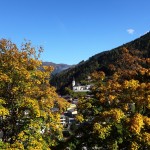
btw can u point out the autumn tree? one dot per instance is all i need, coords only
(117, 116)
(27, 119)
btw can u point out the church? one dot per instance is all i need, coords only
(80, 88)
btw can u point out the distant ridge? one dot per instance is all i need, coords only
(57, 67)
(101, 61)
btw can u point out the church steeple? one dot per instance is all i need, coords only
(73, 82)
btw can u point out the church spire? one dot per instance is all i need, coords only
(73, 82)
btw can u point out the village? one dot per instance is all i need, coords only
(67, 119)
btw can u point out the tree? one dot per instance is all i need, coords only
(26, 100)
(118, 114)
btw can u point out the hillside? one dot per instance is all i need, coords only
(104, 61)
(57, 67)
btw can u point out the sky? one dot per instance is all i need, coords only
(73, 30)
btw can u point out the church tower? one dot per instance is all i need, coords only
(73, 82)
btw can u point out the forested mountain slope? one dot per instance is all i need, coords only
(106, 61)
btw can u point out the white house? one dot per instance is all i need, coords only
(63, 120)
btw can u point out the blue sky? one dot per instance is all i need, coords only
(73, 30)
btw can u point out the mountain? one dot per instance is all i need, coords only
(57, 67)
(140, 48)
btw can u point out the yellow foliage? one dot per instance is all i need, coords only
(148, 102)
(146, 121)
(98, 75)
(125, 107)
(48, 68)
(4, 77)
(111, 97)
(134, 146)
(115, 114)
(146, 138)
(137, 123)
(102, 131)
(3, 111)
(133, 84)
(120, 100)
(26, 88)
(80, 118)
(17, 146)
(143, 85)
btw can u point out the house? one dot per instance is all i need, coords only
(63, 120)
(72, 106)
